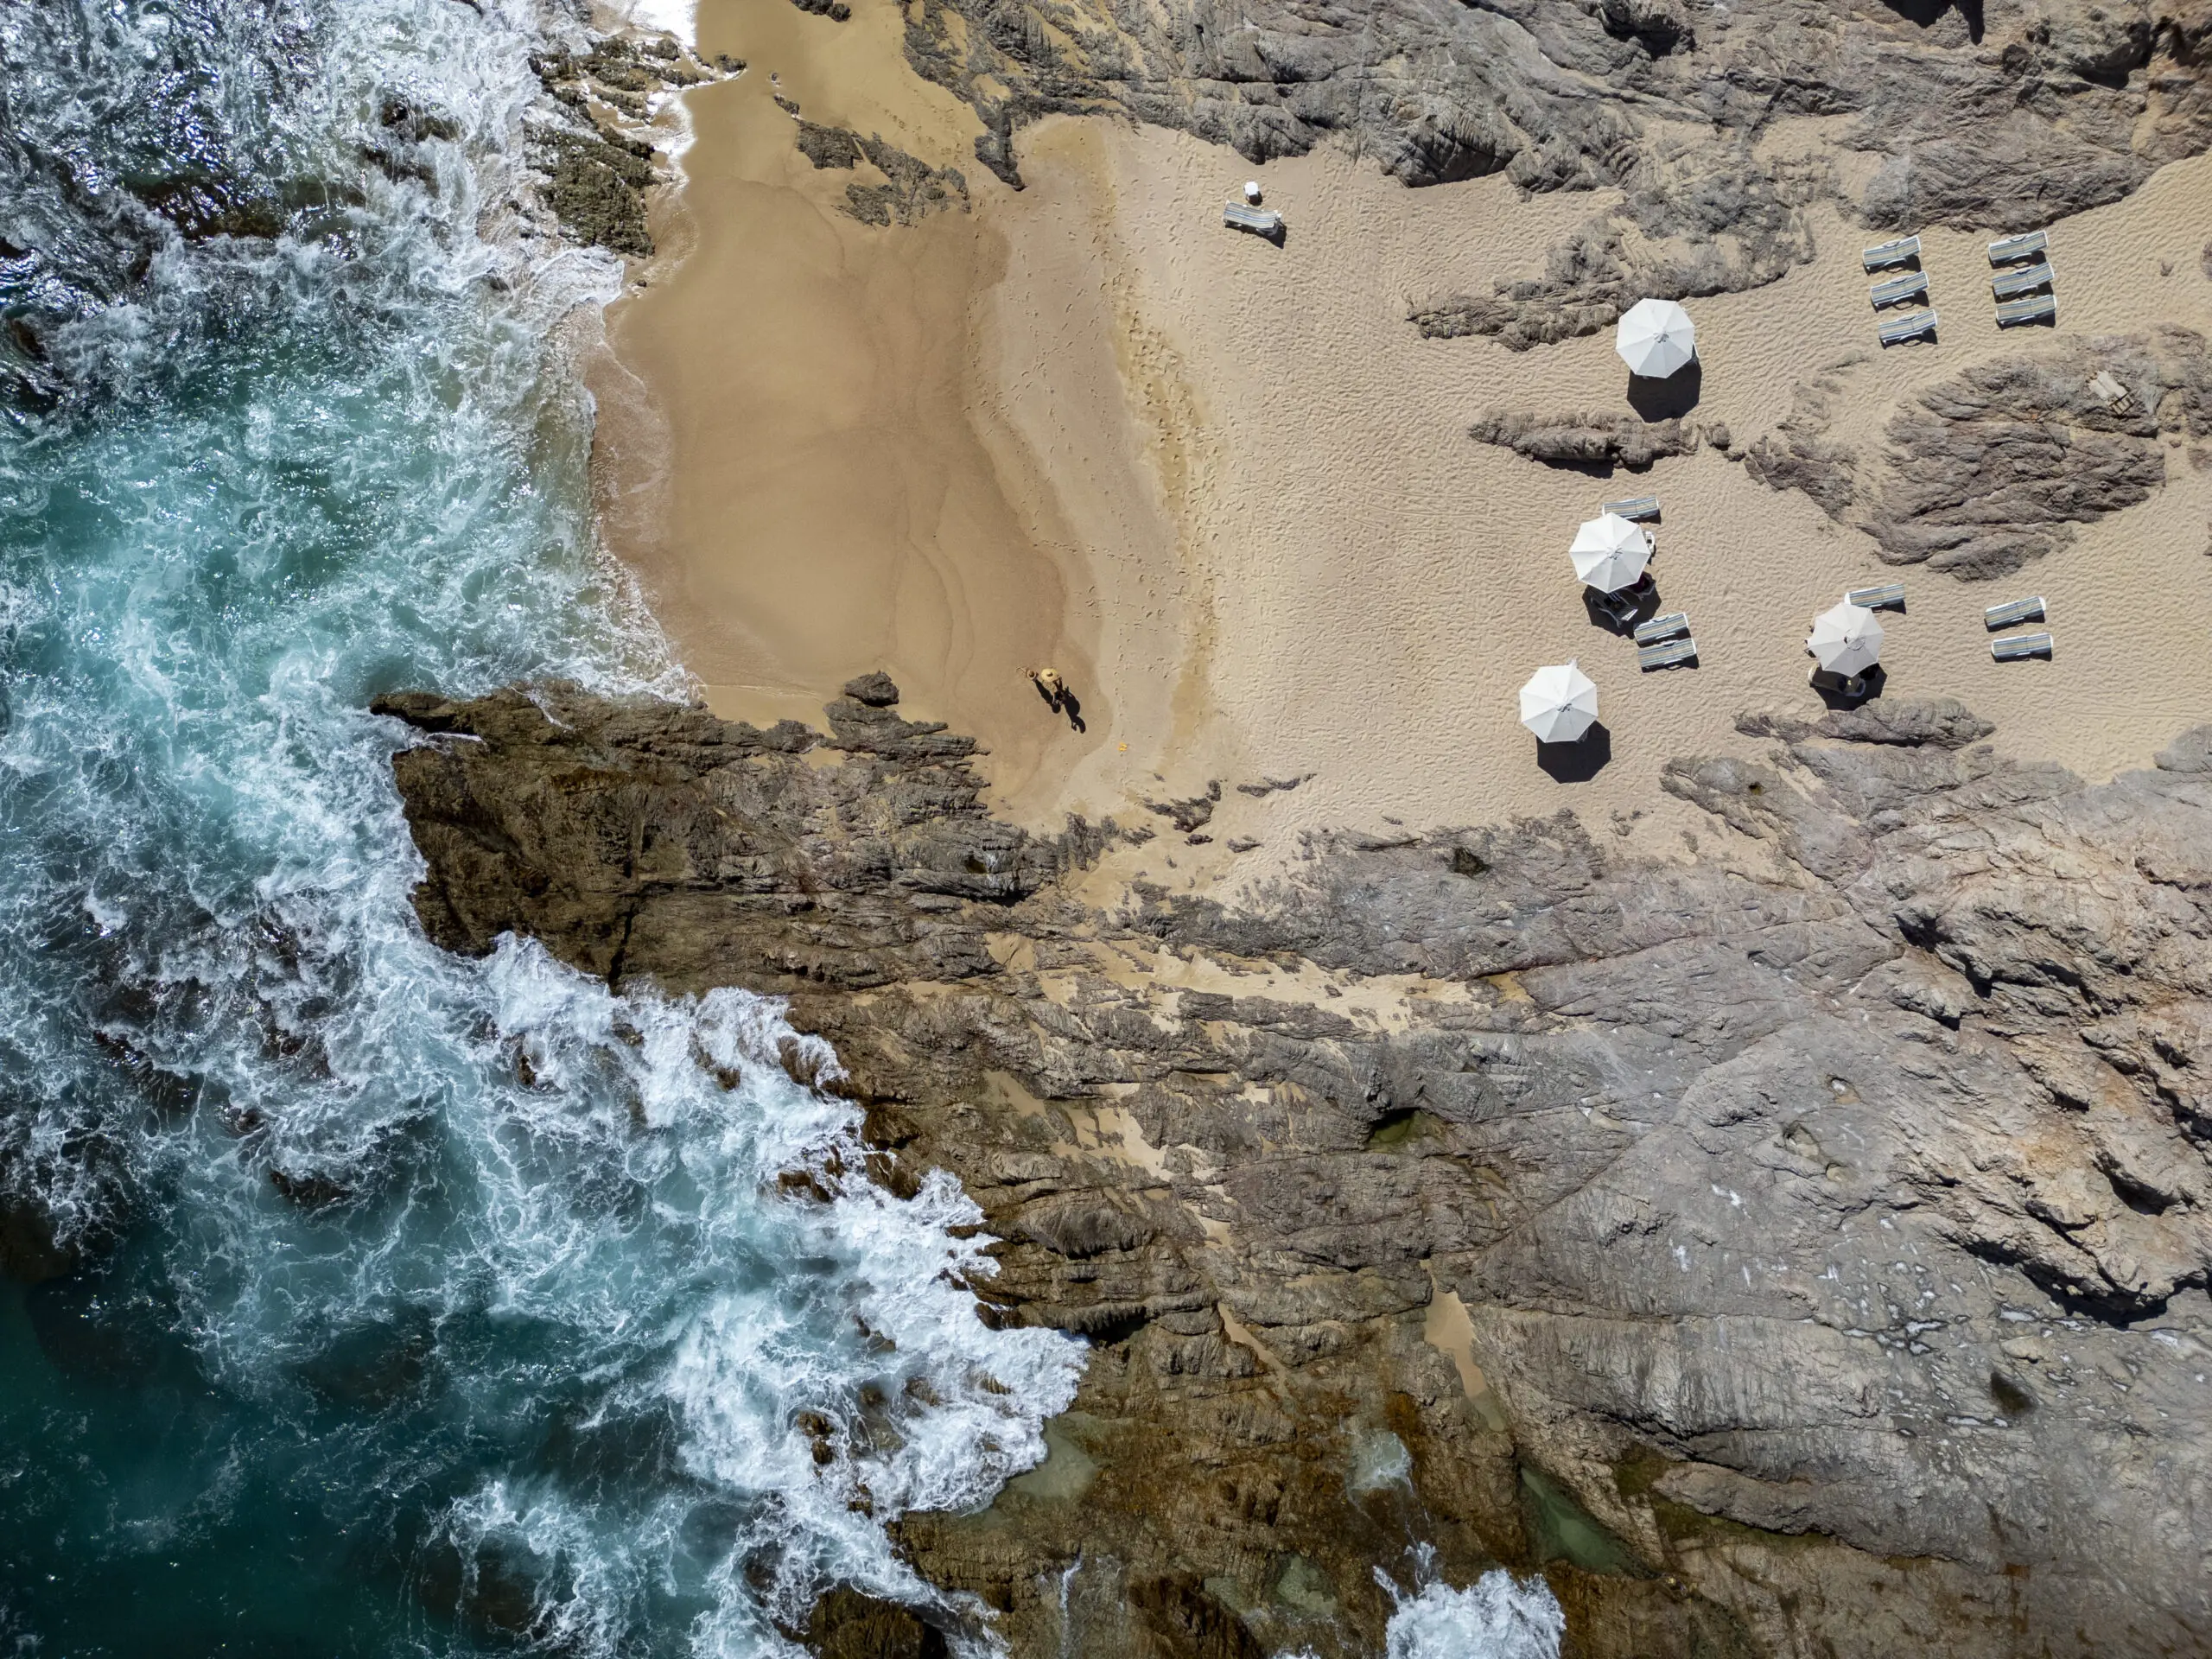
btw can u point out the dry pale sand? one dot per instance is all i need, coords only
(1228, 490)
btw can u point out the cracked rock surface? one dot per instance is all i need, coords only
(2007, 114)
(1984, 472)
(1798, 1250)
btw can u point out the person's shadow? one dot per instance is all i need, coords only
(1063, 702)
(1579, 761)
(1667, 399)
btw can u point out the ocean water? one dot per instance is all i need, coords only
(427, 1305)
(418, 1306)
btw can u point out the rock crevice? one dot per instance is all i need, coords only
(1781, 1258)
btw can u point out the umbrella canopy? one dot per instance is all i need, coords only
(1559, 703)
(1610, 553)
(1656, 338)
(1846, 638)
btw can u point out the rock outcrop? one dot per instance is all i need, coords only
(1984, 472)
(594, 156)
(911, 189)
(1801, 1248)
(1619, 438)
(2007, 115)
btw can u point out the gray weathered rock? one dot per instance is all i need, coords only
(2008, 116)
(1985, 471)
(1831, 1228)
(1617, 439)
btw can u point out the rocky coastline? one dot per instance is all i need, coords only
(1795, 1247)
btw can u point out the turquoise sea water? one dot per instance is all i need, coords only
(364, 1301)
(375, 1347)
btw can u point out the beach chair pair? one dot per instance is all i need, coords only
(2010, 285)
(1665, 642)
(1889, 595)
(2042, 308)
(1635, 509)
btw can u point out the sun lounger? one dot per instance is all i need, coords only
(1260, 221)
(2006, 249)
(1904, 328)
(2010, 285)
(1913, 285)
(1901, 252)
(1635, 508)
(1668, 655)
(1875, 599)
(2020, 645)
(2012, 612)
(2040, 307)
(1663, 628)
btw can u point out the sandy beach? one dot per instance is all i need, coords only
(1228, 490)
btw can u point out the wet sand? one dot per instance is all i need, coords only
(1227, 490)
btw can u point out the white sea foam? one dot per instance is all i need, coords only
(481, 1255)
(1497, 1617)
(679, 18)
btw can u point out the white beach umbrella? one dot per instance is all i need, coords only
(1559, 703)
(1846, 638)
(1656, 338)
(1610, 553)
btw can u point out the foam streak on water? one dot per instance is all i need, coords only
(428, 1306)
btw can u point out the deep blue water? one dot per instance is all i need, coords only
(359, 1300)
(366, 1344)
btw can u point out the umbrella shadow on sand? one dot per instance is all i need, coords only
(1838, 691)
(1623, 612)
(1670, 398)
(1579, 761)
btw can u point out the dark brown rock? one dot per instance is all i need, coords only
(847, 1623)
(1829, 1226)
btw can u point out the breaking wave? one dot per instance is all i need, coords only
(364, 1300)
(1497, 1617)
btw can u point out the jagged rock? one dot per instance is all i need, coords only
(2009, 117)
(1830, 1232)
(1984, 472)
(1602, 439)
(847, 1623)
(595, 176)
(877, 690)
(1944, 721)
(911, 189)
(1193, 813)
(2191, 752)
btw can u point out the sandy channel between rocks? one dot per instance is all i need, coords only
(1227, 489)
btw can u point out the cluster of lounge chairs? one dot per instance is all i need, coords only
(2015, 647)
(1908, 287)
(2021, 287)
(1662, 641)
